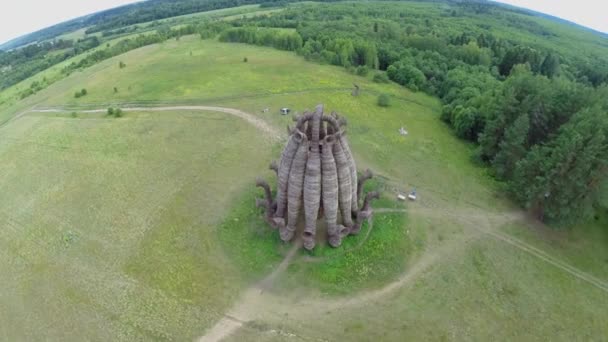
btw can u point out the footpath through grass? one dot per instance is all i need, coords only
(112, 220)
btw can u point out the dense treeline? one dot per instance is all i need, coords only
(538, 113)
(19, 64)
(280, 39)
(161, 9)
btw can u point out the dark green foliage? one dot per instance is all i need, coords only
(115, 90)
(245, 60)
(520, 55)
(362, 70)
(115, 112)
(17, 65)
(281, 40)
(513, 147)
(380, 77)
(550, 66)
(384, 100)
(343, 52)
(562, 179)
(121, 65)
(407, 75)
(80, 93)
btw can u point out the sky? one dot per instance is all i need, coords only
(25, 16)
(590, 13)
(19, 17)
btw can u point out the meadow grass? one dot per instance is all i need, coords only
(485, 291)
(364, 261)
(111, 223)
(126, 226)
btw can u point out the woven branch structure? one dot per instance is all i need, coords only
(317, 178)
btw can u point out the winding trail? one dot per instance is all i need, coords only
(257, 302)
(250, 302)
(258, 123)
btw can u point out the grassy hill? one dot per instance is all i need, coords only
(143, 228)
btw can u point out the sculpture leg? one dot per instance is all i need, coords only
(267, 202)
(365, 212)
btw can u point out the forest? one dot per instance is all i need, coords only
(19, 64)
(536, 111)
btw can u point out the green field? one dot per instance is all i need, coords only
(143, 227)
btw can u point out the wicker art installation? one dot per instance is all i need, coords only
(317, 173)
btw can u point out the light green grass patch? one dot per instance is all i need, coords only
(109, 222)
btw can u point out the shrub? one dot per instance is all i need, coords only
(80, 93)
(121, 64)
(384, 100)
(362, 70)
(380, 77)
(27, 92)
(115, 112)
(245, 59)
(74, 114)
(115, 90)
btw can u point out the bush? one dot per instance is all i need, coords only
(362, 70)
(27, 92)
(74, 114)
(245, 59)
(115, 112)
(80, 93)
(380, 77)
(121, 65)
(384, 100)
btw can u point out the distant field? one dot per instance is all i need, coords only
(75, 35)
(115, 222)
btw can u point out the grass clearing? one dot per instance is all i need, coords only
(111, 221)
(360, 263)
(122, 228)
(367, 260)
(486, 291)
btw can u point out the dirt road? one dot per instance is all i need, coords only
(250, 118)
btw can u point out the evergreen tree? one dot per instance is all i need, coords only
(560, 180)
(550, 65)
(513, 147)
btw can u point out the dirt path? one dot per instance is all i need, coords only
(250, 303)
(257, 302)
(494, 220)
(258, 123)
